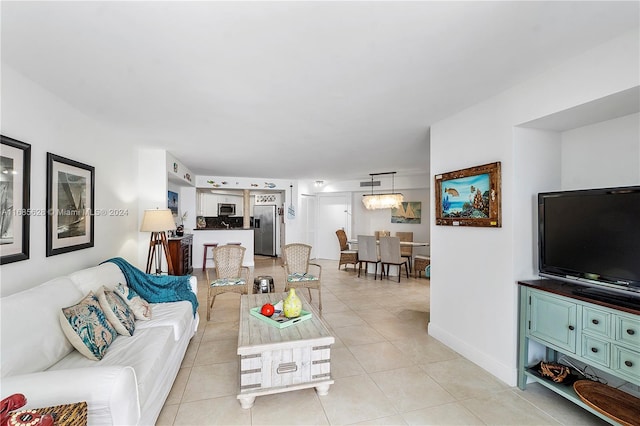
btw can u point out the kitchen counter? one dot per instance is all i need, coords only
(222, 236)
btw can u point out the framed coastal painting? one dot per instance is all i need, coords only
(407, 212)
(70, 204)
(469, 197)
(15, 180)
(172, 202)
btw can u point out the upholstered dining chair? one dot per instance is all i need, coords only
(231, 276)
(347, 256)
(296, 257)
(379, 234)
(368, 253)
(406, 251)
(390, 255)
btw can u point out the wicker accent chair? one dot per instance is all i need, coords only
(296, 269)
(421, 263)
(390, 255)
(368, 253)
(347, 256)
(231, 276)
(406, 251)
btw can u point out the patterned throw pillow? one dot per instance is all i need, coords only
(87, 327)
(137, 304)
(299, 276)
(117, 312)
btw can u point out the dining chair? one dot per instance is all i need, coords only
(406, 251)
(347, 256)
(390, 255)
(296, 257)
(231, 276)
(368, 253)
(379, 234)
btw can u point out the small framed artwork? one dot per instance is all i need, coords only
(15, 180)
(407, 212)
(469, 197)
(70, 204)
(172, 202)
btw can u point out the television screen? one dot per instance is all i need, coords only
(591, 236)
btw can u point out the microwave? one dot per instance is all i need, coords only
(226, 209)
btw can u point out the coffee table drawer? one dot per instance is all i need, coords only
(285, 367)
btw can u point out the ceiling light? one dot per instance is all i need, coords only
(319, 183)
(383, 201)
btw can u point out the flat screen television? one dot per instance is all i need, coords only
(592, 237)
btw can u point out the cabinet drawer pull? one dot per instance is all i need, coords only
(573, 328)
(595, 321)
(628, 363)
(630, 332)
(594, 350)
(287, 367)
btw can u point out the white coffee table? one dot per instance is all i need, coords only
(276, 360)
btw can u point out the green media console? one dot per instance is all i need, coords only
(602, 334)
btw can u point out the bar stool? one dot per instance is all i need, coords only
(204, 254)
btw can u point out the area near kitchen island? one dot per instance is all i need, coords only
(222, 237)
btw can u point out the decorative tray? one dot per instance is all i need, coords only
(278, 319)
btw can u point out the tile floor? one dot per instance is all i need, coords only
(387, 370)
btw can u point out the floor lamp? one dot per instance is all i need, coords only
(157, 222)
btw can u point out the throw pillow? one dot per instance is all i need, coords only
(87, 328)
(117, 312)
(137, 304)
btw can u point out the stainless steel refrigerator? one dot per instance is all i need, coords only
(264, 230)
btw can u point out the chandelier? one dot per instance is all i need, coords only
(382, 201)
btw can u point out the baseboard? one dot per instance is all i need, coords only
(508, 375)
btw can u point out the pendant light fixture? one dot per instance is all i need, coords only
(382, 201)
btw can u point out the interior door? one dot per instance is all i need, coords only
(332, 215)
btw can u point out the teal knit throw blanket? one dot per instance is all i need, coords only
(157, 288)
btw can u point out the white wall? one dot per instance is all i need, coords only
(474, 270)
(604, 154)
(35, 116)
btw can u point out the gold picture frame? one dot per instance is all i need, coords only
(469, 197)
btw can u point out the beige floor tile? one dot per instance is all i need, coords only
(506, 408)
(212, 381)
(190, 355)
(411, 389)
(463, 379)
(342, 319)
(216, 351)
(384, 421)
(220, 330)
(223, 314)
(301, 407)
(177, 390)
(358, 335)
(355, 399)
(344, 364)
(218, 411)
(167, 415)
(446, 414)
(377, 315)
(425, 349)
(380, 356)
(396, 330)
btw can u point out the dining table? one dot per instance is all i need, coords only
(402, 243)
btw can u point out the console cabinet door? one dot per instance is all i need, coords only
(552, 320)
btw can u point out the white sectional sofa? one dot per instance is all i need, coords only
(128, 386)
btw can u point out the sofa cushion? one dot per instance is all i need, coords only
(87, 327)
(138, 305)
(177, 315)
(91, 279)
(32, 339)
(117, 312)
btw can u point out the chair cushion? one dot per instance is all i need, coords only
(228, 281)
(349, 252)
(299, 276)
(87, 327)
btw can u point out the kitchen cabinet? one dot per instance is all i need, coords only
(603, 335)
(181, 253)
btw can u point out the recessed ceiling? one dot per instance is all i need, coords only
(317, 90)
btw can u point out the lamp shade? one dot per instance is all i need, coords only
(382, 201)
(157, 220)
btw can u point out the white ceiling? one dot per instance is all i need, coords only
(318, 90)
